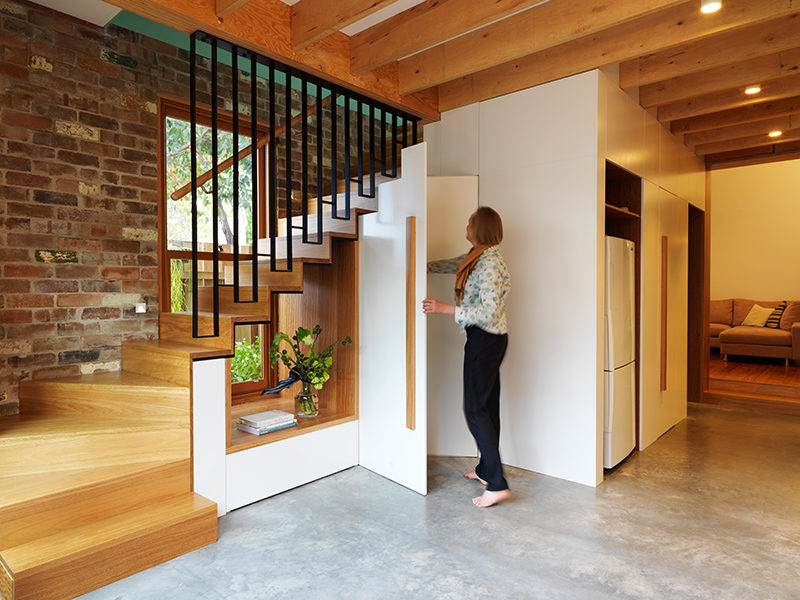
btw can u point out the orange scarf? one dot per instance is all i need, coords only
(465, 268)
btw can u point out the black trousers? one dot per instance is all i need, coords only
(483, 354)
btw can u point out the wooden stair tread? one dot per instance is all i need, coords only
(771, 398)
(146, 520)
(22, 488)
(24, 427)
(112, 379)
(180, 348)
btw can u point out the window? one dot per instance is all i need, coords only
(249, 371)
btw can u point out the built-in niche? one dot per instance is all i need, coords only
(623, 199)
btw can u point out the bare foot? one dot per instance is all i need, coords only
(489, 498)
(473, 475)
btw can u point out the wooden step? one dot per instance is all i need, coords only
(78, 560)
(38, 505)
(757, 388)
(177, 327)
(227, 304)
(34, 444)
(118, 394)
(168, 360)
(358, 206)
(302, 251)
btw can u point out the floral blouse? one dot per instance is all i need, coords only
(484, 302)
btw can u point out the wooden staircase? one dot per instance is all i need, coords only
(96, 470)
(95, 478)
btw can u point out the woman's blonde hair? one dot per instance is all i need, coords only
(486, 226)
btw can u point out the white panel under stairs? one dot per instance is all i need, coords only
(386, 445)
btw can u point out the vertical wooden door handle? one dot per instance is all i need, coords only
(664, 300)
(411, 322)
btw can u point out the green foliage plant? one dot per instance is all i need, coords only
(311, 366)
(176, 289)
(246, 361)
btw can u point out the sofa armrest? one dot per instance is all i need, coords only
(796, 340)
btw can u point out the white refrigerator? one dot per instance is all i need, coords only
(620, 369)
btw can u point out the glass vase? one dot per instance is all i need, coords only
(307, 401)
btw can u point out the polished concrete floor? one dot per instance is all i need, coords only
(709, 511)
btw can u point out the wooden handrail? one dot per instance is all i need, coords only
(260, 143)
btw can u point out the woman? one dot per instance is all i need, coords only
(482, 284)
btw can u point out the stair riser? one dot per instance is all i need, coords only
(178, 327)
(86, 571)
(227, 305)
(52, 397)
(161, 365)
(6, 583)
(71, 508)
(29, 456)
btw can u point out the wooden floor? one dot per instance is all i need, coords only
(760, 384)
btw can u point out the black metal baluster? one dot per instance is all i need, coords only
(347, 156)
(414, 132)
(360, 138)
(371, 152)
(235, 108)
(272, 157)
(288, 133)
(319, 162)
(394, 145)
(405, 131)
(193, 160)
(254, 173)
(215, 184)
(334, 153)
(383, 141)
(304, 157)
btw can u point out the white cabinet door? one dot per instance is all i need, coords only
(387, 445)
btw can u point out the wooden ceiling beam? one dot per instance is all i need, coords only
(737, 116)
(532, 30)
(785, 87)
(313, 20)
(740, 131)
(265, 27)
(740, 74)
(753, 156)
(613, 45)
(791, 135)
(423, 26)
(223, 8)
(765, 37)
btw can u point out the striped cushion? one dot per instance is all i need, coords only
(774, 320)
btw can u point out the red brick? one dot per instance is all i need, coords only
(29, 210)
(33, 360)
(73, 328)
(30, 300)
(100, 341)
(15, 316)
(79, 300)
(55, 315)
(27, 271)
(20, 134)
(27, 179)
(97, 66)
(21, 119)
(141, 287)
(120, 246)
(15, 255)
(78, 158)
(54, 372)
(55, 286)
(128, 273)
(149, 273)
(108, 312)
(12, 286)
(76, 271)
(55, 344)
(77, 244)
(29, 240)
(15, 71)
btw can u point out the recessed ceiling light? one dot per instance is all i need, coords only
(753, 89)
(710, 6)
(775, 133)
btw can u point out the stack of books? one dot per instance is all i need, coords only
(266, 422)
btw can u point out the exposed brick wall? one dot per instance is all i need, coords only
(79, 186)
(78, 191)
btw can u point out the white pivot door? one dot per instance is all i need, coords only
(392, 335)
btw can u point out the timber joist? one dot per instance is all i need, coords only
(443, 54)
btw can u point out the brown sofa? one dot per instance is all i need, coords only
(727, 333)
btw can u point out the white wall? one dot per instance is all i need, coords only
(755, 243)
(537, 162)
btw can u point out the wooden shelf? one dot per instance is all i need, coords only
(240, 440)
(617, 211)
